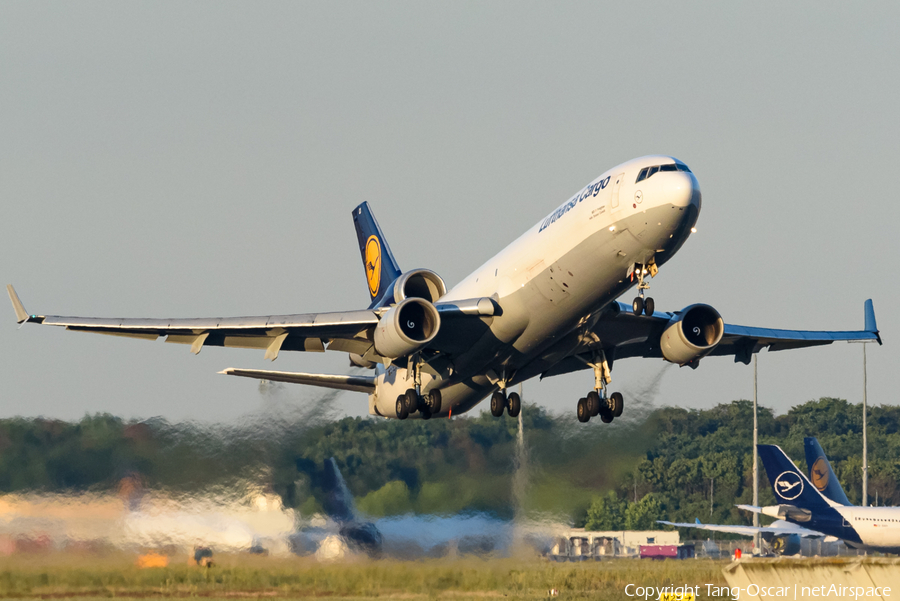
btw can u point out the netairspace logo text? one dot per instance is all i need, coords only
(795, 592)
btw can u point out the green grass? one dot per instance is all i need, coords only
(239, 576)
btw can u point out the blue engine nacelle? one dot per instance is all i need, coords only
(785, 545)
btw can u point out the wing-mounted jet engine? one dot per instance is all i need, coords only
(691, 334)
(406, 327)
(412, 321)
(783, 545)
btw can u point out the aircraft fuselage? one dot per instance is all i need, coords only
(555, 278)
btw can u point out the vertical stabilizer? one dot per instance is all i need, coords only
(790, 485)
(378, 260)
(821, 474)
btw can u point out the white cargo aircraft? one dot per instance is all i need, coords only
(545, 305)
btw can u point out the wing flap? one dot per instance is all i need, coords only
(122, 333)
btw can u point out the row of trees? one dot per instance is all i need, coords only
(673, 463)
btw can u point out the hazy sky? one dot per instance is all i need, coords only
(202, 159)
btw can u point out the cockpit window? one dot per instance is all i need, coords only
(646, 172)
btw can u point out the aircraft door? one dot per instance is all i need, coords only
(614, 195)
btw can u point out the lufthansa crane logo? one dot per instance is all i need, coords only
(819, 473)
(373, 264)
(788, 486)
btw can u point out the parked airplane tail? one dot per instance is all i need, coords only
(821, 474)
(378, 260)
(788, 482)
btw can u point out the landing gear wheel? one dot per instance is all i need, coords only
(637, 305)
(593, 402)
(402, 412)
(433, 401)
(426, 412)
(513, 404)
(498, 403)
(605, 415)
(412, 400)
(584, 415)
(649, 305)
(616, 403)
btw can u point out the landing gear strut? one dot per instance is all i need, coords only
(500, 400)
(413, 400)
(597, 402)
(640, 304)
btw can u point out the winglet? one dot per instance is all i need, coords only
(871, 326)
(21, 313)
(698, 522)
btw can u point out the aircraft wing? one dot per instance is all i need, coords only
(621, 334)
(346, 331)
(779, 528)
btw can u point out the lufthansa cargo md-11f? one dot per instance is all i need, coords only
(545, 305)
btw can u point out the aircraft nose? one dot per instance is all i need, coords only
(684, 190)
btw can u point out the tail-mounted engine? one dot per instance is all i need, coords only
(691, 334)
(419, 283)
(406, 327)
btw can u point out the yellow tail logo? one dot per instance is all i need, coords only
(373, 264)
(819, 473)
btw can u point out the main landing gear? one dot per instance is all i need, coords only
(410, 402)
(594, 404)
(597, 402)
(640, 304)
(512, 404)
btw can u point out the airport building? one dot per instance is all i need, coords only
(578, 544)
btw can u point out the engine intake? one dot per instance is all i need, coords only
(693, 333)
(406, 327)
(419, 283)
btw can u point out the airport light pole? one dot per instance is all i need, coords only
(755, 459)
(865, 468)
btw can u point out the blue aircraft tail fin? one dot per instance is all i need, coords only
(821, 474)
(789, 484)
(378, 260)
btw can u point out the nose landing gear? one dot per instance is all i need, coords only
(640, 304)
